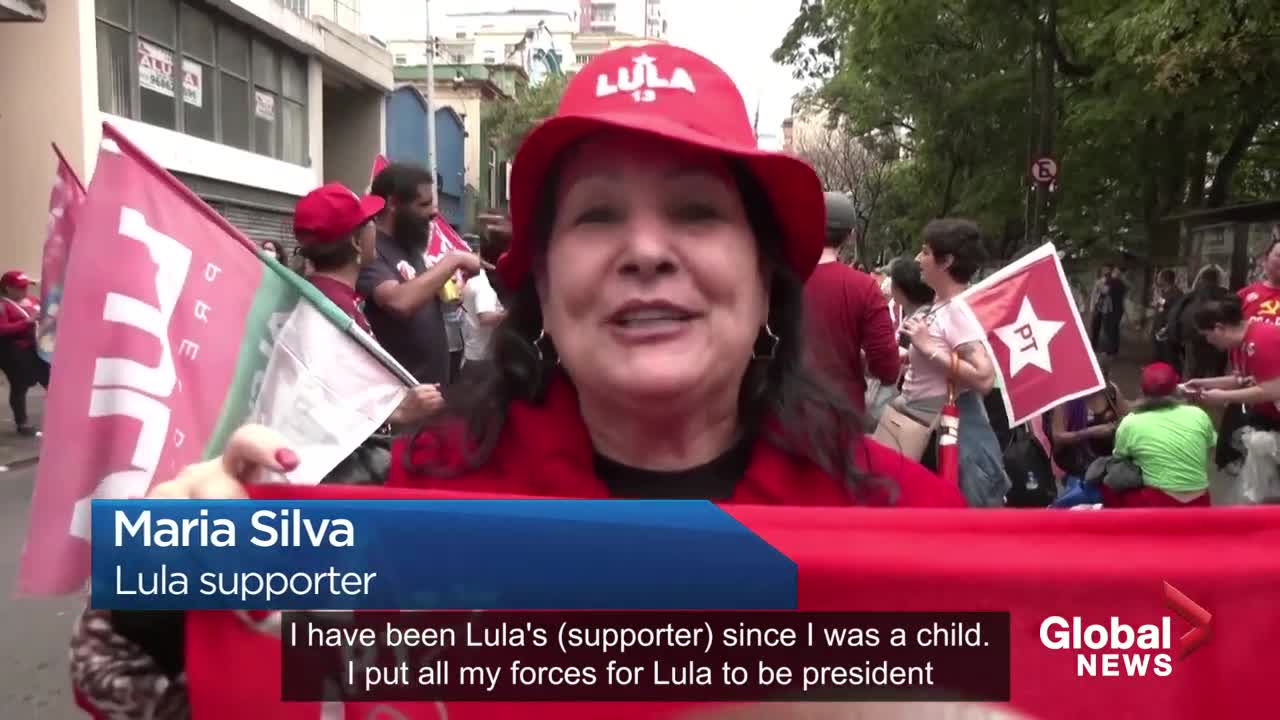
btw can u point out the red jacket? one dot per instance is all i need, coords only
(19, 323)
(545, 452)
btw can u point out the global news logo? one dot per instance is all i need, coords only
(1119, 649)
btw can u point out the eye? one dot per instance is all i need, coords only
(696, 211)
(598, 214)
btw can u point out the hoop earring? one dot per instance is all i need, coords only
(774, 342)
(537, 348)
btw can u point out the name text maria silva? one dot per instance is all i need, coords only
(287, 528)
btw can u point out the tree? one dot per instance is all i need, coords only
(513, 118)
(850, 164)
(1150, 108)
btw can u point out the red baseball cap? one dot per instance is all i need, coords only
(1159, 380)
(670, 93)
(332, 212)
(15, 278)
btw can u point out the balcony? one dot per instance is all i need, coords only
(343, 13)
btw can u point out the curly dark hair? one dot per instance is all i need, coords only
(781, 399)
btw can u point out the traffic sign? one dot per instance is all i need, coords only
(1044, 170)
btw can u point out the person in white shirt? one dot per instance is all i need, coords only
(481, 309)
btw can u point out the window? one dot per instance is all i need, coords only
(264, 122)
(176, 64)
(584, 59)
(233, 51)
(198, 116)
(158, 20)
(293, 110)
(197, 35)
(114, 88)
(266, 66)
(460, 59)
(235, 111)
(158, 24)
(402, 60)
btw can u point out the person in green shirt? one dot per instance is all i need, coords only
(1168, 439)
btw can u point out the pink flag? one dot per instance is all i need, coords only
(160, 293)
(65, 199)
(1035, 335)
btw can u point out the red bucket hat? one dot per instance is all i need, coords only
(675, 94)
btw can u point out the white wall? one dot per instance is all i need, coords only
(192, 155)
(44, 92)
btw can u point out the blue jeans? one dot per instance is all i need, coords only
(1076, 492)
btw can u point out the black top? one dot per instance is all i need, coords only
(715, 480)
(419, 342)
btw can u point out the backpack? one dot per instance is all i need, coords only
(1029, 470)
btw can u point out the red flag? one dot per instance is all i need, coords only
(65, 200)
(444, 240)
(1035, 335)
(1114, 567)
(380, 163)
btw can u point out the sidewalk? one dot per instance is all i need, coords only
(17, 451)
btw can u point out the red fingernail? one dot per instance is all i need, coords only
(287, 459)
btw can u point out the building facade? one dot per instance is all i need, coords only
(468, 90)
(630, 17)
(407, 142)
(526, 37)
(272, 103)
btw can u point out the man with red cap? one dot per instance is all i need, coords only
(19, 360)
(335, 233)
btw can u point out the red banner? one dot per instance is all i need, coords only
(1035, 335)
(1038, 565)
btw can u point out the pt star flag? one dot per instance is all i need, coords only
(1035, 335)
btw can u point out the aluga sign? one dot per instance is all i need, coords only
(1128, 649)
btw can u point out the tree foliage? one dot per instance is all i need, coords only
(1161, 105)
(513, 118)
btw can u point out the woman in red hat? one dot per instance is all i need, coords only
(652, 341)
(652, 345)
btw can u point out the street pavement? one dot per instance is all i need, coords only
(33, 631)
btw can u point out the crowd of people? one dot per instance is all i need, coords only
(667, 316)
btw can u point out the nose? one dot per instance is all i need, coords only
(647, 253)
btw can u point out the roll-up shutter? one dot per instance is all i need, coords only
(258, 224)
(259, 213)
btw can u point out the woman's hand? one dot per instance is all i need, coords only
(918, 330)
(251, 450)
(418, 404)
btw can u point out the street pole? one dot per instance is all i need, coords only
(431, 105)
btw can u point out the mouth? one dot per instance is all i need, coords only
(650, 315)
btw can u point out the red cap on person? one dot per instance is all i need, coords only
(332, 212)
(15, 278)
(1159, 380)
(675, 94)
